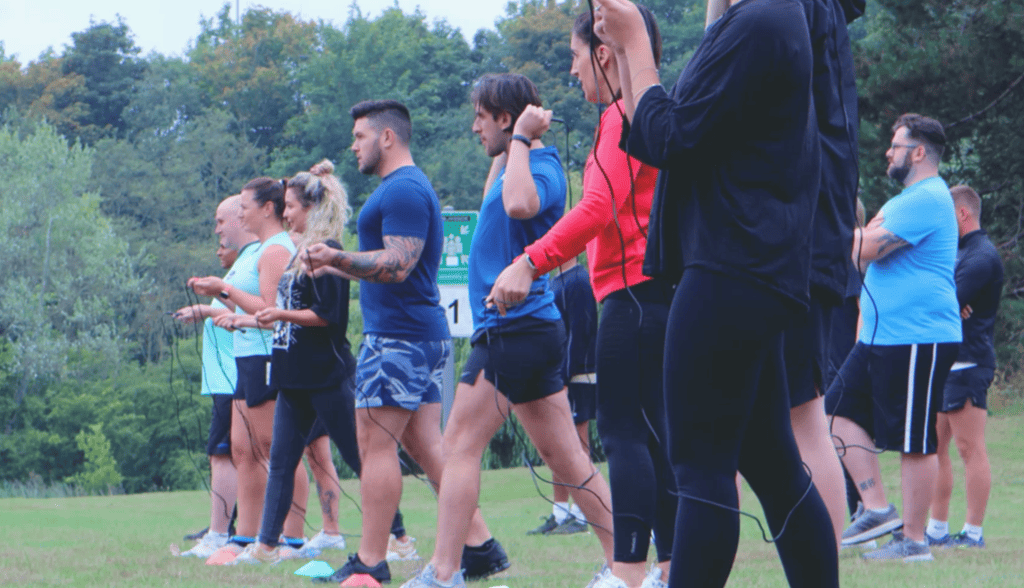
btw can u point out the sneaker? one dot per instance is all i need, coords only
(569, 526)
(962, 539)
(606, 579)
(653, 579)
(322, 541)
(546, 527)
(427, 578)
(871, 525)
(197, 535)
(901, 547)
(206, 547)
(226, 553)
(932, 541)
(254, 554)
(605, 570)
(380, 572)
(481, 562)
(402, 550)
(305, 551)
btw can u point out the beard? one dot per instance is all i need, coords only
(501, 147)
(370, 162)
(900, 172)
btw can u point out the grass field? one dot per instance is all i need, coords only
(124, 540)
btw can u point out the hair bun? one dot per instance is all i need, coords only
(324, 168)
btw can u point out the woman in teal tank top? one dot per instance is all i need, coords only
(250, 289)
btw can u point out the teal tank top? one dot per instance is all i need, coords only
(245, 276)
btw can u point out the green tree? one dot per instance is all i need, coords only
(100, 471)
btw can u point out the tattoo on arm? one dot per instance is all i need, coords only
(869, 483)
(390, 265)
(889, 243)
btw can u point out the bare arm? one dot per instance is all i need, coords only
(621, 26)
(873, 243)
(391, 265)
(304, 318)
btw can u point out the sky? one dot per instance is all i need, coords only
(28, 27)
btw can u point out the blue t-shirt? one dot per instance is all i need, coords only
(913, 287)
(499, 239)
(219, 368)
(404, 205)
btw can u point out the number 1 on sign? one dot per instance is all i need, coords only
(455, 310)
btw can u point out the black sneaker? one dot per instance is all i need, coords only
(481, 562)
(546, 527)
(197, 535)
(380, 572)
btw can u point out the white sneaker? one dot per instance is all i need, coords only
(304, 551)
(252, 554)
(606, 579)
(324, 541)
(653, 579)
(210, 543)
(402, 550)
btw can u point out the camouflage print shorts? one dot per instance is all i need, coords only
(406, 374)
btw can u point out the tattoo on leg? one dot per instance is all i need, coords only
(870, 482)
(327, 500)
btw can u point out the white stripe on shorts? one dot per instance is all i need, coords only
(928, 404)
(908, 421)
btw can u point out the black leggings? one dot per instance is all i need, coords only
(728, 408)
(630, 349)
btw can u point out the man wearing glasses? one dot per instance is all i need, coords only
(889, 389)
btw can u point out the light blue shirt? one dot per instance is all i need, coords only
(910, 294)
(245, 276)
(219, 370)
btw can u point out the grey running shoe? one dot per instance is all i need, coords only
(427, 578)
(940, 541)
(546, 527)
(871, 525)
(599, 576)
(901, 547)
(569, 526)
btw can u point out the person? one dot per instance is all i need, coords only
(961, 418)
(218, 382)
(731, 224)
(516, 357)
(311, 361)
(631, 334)
(575, 301)
(806, 343)
(406, 340)
(890, 386)
(250, 287)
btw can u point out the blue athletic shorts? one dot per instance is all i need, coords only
(967, 383)
(219, 441)
(406, 374)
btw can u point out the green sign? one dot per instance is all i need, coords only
(458, 234)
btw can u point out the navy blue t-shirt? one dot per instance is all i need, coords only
(404, 205)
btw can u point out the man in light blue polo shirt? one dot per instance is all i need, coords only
(890, 387)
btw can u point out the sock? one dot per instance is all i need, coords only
(561, 511)
(293, 541)
(575, 511)
(242, 540)
(937, 529)
(973, 531)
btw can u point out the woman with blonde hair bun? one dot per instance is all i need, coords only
(312, 365)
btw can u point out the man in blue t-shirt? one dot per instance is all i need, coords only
(890, 386)
(406, 341)
(516, 360)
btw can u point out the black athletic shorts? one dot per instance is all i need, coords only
(893, 392)
(967, 383)
(523, 359)
(219, 442)
(805, 347)
(583, 398)
(254, 380)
